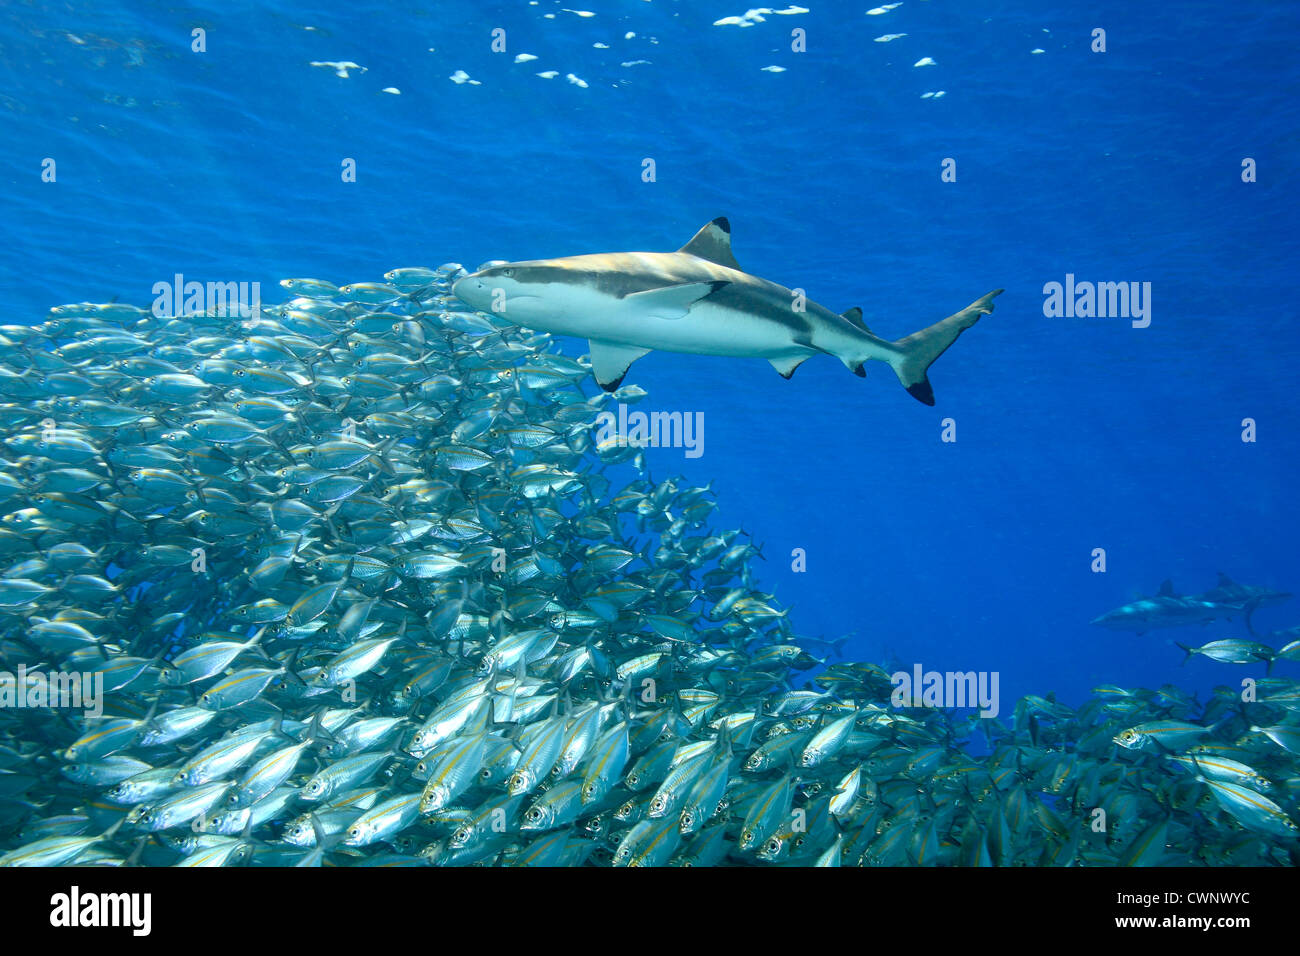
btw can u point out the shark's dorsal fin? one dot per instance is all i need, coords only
(1225, 581)
(713, 243)
(609, 362)
(1167, 589)
(854, 315)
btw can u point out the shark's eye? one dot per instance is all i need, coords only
(507, 272)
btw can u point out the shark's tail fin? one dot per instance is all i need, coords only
(919, 350)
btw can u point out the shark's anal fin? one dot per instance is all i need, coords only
(713, 243)
(609, 362)
(673, 301)
(786, 365)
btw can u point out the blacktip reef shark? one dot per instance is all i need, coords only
(1171, 609)
(697, 300)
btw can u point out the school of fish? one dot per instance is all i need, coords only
(361, 589)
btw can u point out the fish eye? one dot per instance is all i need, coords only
(773, 845)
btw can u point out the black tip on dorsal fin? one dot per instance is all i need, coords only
(713, 243)
(1167, 589)
(1225, 581)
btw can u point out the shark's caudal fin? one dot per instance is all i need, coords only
(920, 349)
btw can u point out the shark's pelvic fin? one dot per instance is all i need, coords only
(786, 366)
(713, 242)
(920, 349)
(609, 362)
(674, 301)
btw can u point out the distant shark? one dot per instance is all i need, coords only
(1170, 609)
(1229, 591)
(1166, 609)
(697, 300)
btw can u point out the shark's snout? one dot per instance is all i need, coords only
(468, 285)
(472, 289)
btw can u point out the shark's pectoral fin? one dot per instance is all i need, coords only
(787, 364)
(674, 301)
(609, 362)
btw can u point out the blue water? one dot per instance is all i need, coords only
(1072, 433)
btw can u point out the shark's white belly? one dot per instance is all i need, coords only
(706, 330)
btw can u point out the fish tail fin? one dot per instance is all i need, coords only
(1187, 651)
(918, 351)
(140, 844)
